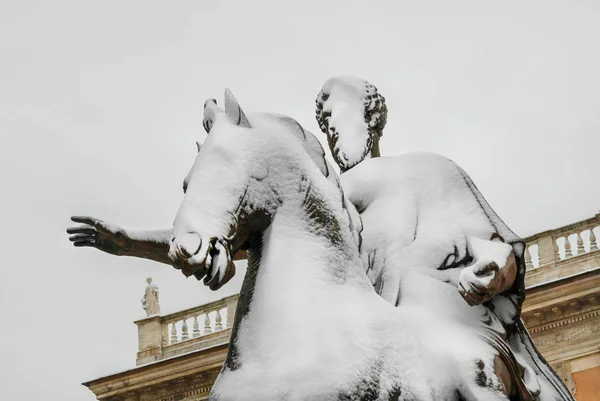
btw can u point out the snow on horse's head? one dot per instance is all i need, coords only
(246, 170)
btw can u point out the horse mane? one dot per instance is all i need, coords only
(315, 150)
(309, 141)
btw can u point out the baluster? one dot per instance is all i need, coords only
(207, 329)
(568, 252)
(184, 331)
(174, 333)
(580, 248)
(593, 245)
(556, 251)
(218, 325)
(196, 327)
(528, 263)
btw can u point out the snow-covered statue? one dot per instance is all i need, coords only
(309, 325)
(429, 235)
(150, 301)
(325, 254)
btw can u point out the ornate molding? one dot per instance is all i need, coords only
(564, 322)
(193, 394)
(187, 388)
(569, 335)
(184, 388)
(562, 337)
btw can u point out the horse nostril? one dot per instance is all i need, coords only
(190, 245)
(184, 253)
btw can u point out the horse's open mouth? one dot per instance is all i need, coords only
(218, 264)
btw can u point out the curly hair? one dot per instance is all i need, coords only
(375, 116)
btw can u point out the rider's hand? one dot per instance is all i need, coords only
(480, 282)
(96, 233)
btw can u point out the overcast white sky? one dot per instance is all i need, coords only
(101, 103)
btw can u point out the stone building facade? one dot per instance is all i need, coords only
(562, 308)
(180, 354)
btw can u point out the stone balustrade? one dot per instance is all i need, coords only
(549, 255)
(203, 326)
(185, 325)
(564, 251)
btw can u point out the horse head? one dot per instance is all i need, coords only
(240, 177)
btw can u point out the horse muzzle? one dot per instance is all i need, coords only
(209, 259)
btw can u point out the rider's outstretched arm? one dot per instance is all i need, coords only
(116, 240)
(113, 239)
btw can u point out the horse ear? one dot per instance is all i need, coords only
(210, 113)
(234, 111)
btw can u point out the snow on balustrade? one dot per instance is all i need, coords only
(561, 244)
(197, 322)
(200, 327)
(201, 324)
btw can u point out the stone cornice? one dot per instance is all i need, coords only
(562, 302)
(547, 274)
(568, 288)
(160, 372)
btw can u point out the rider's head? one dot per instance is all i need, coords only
(352, 113)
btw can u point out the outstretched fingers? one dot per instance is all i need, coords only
(81, 230)
(87, 238)
(85, 243)
(82, 237)
(86, 234)
(85, 220)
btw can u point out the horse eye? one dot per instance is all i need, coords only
(185, 185)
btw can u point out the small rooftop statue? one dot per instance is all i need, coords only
(150, 301)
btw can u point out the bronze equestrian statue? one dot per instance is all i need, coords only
(426, 239)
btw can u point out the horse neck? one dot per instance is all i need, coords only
(295, 268)
(310, 241)
(303, 265)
